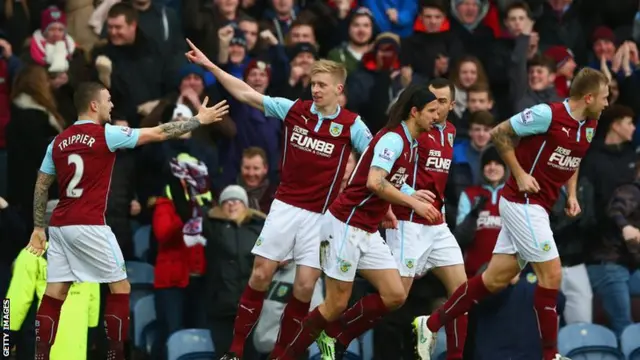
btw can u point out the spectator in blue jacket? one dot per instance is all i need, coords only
(396, 16)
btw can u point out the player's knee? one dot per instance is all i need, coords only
(262, 274)
(550, 275)
(303, 288)
(394, 299)
(495, 282)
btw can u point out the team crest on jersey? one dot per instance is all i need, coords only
(344, 266)
(335, 129)
(450, 139)
(409, 263)
(589, 133)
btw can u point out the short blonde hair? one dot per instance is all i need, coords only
(587, 81)
(330, 67)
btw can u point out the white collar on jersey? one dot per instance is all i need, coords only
(566, 107)
(315, 111)
(413, 141)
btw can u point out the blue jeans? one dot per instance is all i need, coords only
(615, 284)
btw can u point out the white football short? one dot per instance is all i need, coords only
(84, 253)
(526, 231)
(418, 248)
(346, 249)
(290, 233)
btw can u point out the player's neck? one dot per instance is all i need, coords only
(327, 110)
(414, 129)
(90, 117)
(577, 109)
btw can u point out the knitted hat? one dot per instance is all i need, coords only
(559, 54)
(257, 64)
(490, 154)
(234, 192)
(189, 69)
(50, 16)
(603, 33)
(238, 38)
(303, 47)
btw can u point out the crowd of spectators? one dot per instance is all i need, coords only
(502, 56)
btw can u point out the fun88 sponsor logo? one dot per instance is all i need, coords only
(561, 159)
(300, 139)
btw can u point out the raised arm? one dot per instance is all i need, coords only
(236, 87)
(532, 121)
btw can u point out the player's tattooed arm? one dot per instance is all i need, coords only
(40, 197)
(377, 180)
(176, 129)
(503, 137)
(378, 184)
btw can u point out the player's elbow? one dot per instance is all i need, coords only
(149, 135)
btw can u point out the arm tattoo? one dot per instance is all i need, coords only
(40, 197)
(502, 138)
(381, 181)
(175, 129)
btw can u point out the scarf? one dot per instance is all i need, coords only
(195, 177)
(255, 194)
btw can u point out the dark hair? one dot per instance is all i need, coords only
(433, 4)
(482, 117)
(127, 10)
(517, 5)
(417, 96)
(480, 88)
(544, 61)
(440, 83)
(613, 114)
(85, 94)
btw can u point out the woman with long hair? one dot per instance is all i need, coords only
(353, 242)
(34, 122)
(468, 71)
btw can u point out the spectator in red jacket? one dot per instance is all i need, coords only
(180, 266)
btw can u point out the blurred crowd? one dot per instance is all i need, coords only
(502, 56)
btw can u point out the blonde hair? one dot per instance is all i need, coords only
(330, 67)
(587, 81)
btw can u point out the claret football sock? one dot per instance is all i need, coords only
(545, 302)
(292, 317)
(456, 336)
(47, 319)
(116, 322)
(249, 310)
(459, 303)
(362, 316)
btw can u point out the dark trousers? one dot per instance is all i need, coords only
(177, 309)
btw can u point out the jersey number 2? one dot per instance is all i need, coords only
(78, 163)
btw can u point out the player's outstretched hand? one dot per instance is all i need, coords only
(528, 184)
(196, 55)
(428, 212)
(37, 243)
(209, 115)
(572, 207)
(425, 196)
(390, 221)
